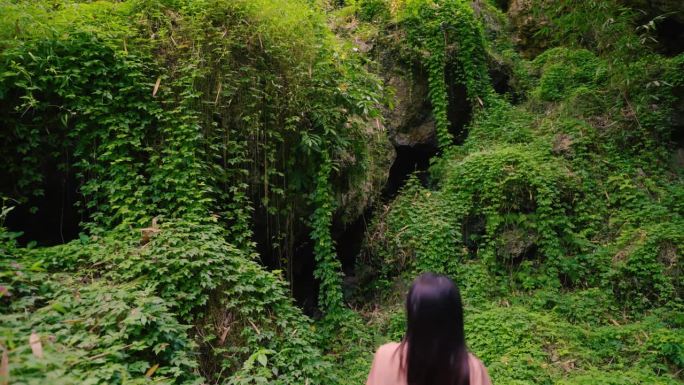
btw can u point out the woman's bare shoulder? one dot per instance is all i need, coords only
(389, 346)
(473, 358)
(386, 368)
(387, 350)
(478, 372)
(389, 353)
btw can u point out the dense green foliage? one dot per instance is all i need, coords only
(210, 139)
(560, 217)
(186, 112)
(449, 40)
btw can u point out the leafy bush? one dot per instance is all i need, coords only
(94, 333)
(372, 10)
(564, 70)
(647, 270)
(242, 313)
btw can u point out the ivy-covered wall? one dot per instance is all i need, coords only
(560, 214)
(206, 149)
(192, 129)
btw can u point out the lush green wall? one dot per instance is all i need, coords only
(206, 140)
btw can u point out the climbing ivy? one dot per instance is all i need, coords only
(199, 115)
(328, 267)
(87, 94)
(553, 218)
(447, 39)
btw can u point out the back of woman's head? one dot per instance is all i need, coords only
(436, 353)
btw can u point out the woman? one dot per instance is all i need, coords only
(433, 351)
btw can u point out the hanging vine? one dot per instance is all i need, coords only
(446, 36)
(328, 267)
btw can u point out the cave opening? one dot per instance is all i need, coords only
(409, 160)
(303, 285)
(294, 257)
(670, 35)
(349, 240)
(502, 4)
(51, 218)
(459, 110)
(501, 79)
(678, 136)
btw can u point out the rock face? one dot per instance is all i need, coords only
(516, 244)
(410, 122)
(356, 194)
(525, 25)
(493, 19)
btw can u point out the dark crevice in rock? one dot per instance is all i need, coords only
(678, 136)
(304, 285)
(409, 159)
(299, 261)
(678, 141)
(668, 17)
(670, 35)
(261, 238)
(502, 4)
(459, 112)
(473, 230)
(349, 242)
(52, 218)
(500, 81)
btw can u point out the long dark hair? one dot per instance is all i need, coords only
(434, 345)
